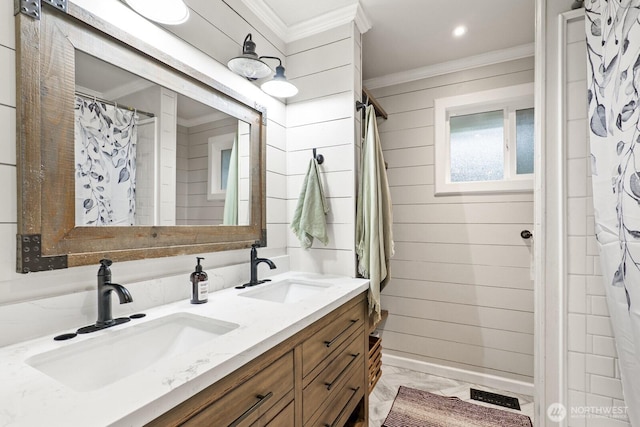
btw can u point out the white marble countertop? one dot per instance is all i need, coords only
(28, 397)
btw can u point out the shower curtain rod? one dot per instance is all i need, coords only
(115, 104)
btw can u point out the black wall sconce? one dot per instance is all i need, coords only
(252, 67)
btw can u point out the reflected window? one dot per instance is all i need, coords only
(225, 157)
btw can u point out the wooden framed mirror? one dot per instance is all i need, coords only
(88, 188)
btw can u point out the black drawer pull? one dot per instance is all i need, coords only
(330, 343)
(335, 422)
(330, 385)
(252, 409)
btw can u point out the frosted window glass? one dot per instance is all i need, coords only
(225, 158)
(524, 141)
(477, 147)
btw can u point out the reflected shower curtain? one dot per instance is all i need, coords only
(105, 159)
(613, 70)
(230, 215)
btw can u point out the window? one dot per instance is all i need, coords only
(218, 165)
(484, 141)
(225, 159)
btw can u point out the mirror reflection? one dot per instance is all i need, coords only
(147, 155)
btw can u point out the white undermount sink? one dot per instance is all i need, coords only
(115, 354)
(286, 291)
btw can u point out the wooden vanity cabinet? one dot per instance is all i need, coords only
(318, 377)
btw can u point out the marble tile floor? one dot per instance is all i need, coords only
(381, 399)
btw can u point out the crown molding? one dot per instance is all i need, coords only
(207, 118)
(489, 58)
(362, 20)
(330, 20)
(118, 92)
(268, 17)
(128, 88)
(312, 26)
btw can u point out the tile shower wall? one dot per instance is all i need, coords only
(223, 32)
(460, 294)
(325, 67)
(592, 363)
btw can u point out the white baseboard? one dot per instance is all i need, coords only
(492, 381)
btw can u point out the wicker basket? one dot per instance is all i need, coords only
(375, 361)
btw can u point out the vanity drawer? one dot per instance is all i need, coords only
(338, 409)
(331, 380)
(325, 341)
(254, 402)
(283, 419)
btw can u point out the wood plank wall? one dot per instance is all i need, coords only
(322, 116)
(460, 293)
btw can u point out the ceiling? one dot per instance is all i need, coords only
(102, 80)
(414, 34)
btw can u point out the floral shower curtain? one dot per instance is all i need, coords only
(613, 70)
(105, 159)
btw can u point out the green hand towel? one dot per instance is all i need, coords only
(309, 219)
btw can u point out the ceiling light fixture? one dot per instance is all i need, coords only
(460, 31)
(169, 12)
(252, 66)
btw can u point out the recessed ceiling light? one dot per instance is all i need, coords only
(460, 31)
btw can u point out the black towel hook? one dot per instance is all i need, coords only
(319, 157)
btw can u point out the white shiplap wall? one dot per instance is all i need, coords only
(324, 67)
(227, 30)
(592, 362)
(199, 210)
(460, 294)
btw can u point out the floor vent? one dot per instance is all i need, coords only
(495, 399)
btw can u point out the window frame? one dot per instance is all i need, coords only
(509, 99)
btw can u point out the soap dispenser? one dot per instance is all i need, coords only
(199, 285)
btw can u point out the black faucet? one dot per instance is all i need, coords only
(105, 287)
(254, 266)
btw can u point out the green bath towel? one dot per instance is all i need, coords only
(374, 216)
(309, 219)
